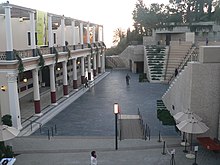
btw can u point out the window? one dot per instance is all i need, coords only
(54, 38)
(29, 38)
(36, 38)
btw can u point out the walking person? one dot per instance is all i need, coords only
(207, 42)
(93, 158)
(127, 79)
(176, 72)
(86, 82)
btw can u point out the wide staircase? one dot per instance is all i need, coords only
(114, 62)
(132, 127)
(177, 53)
(155, 57)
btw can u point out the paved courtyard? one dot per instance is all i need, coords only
(88, 124)
(92, 113)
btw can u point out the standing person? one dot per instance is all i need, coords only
(207, 41)
(176, 72)
(86, 82)
(93, 158)
(127, 79)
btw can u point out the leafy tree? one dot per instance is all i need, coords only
(119, 34)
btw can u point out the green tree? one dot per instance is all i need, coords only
(119, 34)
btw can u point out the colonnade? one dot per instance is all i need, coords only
(97, 60)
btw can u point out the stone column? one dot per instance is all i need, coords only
(99, 62)
(33, 39)
(82, 70)
(88, 34)
(13, 100)
(81, 33)
(65, 81)
(52, 85)
(50, 33)
(103, 62)
(93, 34)
(102, 34)
(94, 65)
(63, 33)
(75, 86)
(9, 39)
(36, 92)
(89, 67)
(73, 32)
(98, 34)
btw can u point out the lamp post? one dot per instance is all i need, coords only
(116, 111)
(196, 150)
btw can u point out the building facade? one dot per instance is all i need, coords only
(40, 49)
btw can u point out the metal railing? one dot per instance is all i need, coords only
(144, 127)
(31, 124)
(46, 50)
(192, 55)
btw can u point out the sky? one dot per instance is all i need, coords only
(112, 14)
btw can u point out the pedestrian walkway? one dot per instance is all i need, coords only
(85, 122)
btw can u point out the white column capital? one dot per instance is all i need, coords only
(31, 11)
(12, 77)
(7, 6)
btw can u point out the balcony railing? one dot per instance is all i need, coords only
(45, 50)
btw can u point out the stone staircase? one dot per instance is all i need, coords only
(155, 57)
(114, 62)
(177, 53)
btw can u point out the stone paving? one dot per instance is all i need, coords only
(88, 124)
(92, 113)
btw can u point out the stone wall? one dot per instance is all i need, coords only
(197, 88)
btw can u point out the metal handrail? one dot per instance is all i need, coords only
(46, 50)
(31, 121)
(145, 128)
(192, 51)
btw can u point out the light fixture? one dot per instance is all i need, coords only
(25, 79)
(78, 62)
(3, 88)
(21, 19)
(116, 108)
(116, 111)
(58, 68)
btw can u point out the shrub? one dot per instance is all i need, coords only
(6, 120)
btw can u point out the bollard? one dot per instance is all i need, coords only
(185, 150)
(31, 126)
(52, 131)
(48, 134)
(40, 128)
(55, 129)
(172, 161)
(159, 140)
(164, 153)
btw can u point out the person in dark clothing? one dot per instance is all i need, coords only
(86, 82)
(207, 41)
(127, 79)
(176, 72)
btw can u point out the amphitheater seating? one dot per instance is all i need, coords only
(156, 62)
